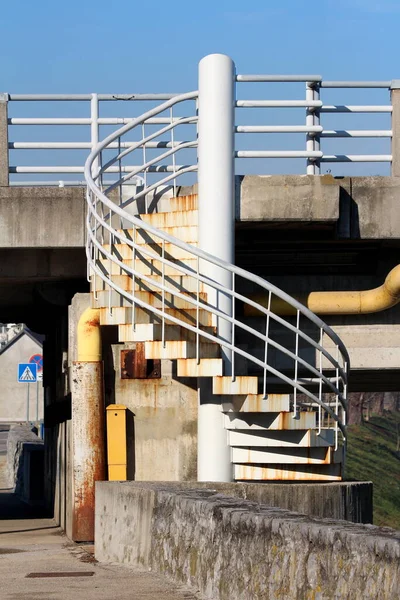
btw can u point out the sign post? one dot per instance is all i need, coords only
(37, 359)
(27, 373)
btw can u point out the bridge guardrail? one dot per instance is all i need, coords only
(309, 117)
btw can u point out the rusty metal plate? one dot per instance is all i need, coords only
(135, 366)
(62, 574)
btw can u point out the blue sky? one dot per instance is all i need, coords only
(126, 45)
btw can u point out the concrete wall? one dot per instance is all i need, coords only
(228, 548)
(14, 395)
(360, 207)
(163, 415)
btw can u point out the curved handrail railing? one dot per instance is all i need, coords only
(313, 377)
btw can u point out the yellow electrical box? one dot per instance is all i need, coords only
(116, 442)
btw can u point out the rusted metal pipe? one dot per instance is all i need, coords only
(336, 303)
(88, 424)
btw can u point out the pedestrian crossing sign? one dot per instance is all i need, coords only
(27, 372)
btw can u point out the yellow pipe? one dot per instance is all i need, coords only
(336, 303)
(88, 336)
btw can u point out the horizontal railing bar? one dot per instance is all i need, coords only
(124, 169)
(356, 133)
(60, 183)
(85, 97)
(356, 158)
(356, 109)
(278, 103)
(278, 78)
(85, 145)
(355, 84)
(88, 121)
(278, 154)
(278, 129)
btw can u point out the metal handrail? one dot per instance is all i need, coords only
(315, 133)
(101, 256)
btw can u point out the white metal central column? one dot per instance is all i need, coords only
(216, 236)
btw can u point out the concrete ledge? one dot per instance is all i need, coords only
(302, 198)
(229, 548)
(42, 217)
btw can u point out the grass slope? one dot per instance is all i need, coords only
(372, 455)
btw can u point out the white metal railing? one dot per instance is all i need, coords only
(309, 369)
(311, 126)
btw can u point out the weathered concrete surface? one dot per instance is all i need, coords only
(42, 217)
(347, 501)
(359, 207)
(287, 198)
(162, 419)
(37, 545)
(19, 437)
(229, 548)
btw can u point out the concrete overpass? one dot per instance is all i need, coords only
(303, 233)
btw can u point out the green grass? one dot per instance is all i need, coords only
(372, 456)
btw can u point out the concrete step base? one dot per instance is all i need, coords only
(288, 473)
(241, 385)
(207, 367)
(153, 333)
(177, 349)
(297, 456)
(270, 421)
(147, 266)
(185, 233)
(123, 315)
(256, 403)
(164, 220)
(282, 439)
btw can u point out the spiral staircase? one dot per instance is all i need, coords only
(281, 380)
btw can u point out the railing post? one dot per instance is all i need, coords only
(94, 130)
(216, 236)
(395, 98)
(4, 163)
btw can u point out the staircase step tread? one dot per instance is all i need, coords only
(241, 385)
(142, 333)
(281, 421)
(180, 349)
(288, 473)
(282, 438)
(208, 367)
(256, 403)
(279, 456)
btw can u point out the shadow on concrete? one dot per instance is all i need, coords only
(13, 508)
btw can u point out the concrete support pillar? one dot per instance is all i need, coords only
(216, 236)
(88, 445)
(395, 96)
(4, 165)
(88, 424)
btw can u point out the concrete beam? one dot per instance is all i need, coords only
(304, 198)
(42, 217)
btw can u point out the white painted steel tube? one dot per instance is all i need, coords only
(278, 129)
(310, 123)
(94, 130)
(356, 133)
(355, 109)
(357, 158)
(278, 103)
(278, 154)
(216, 236)
(278, 78)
